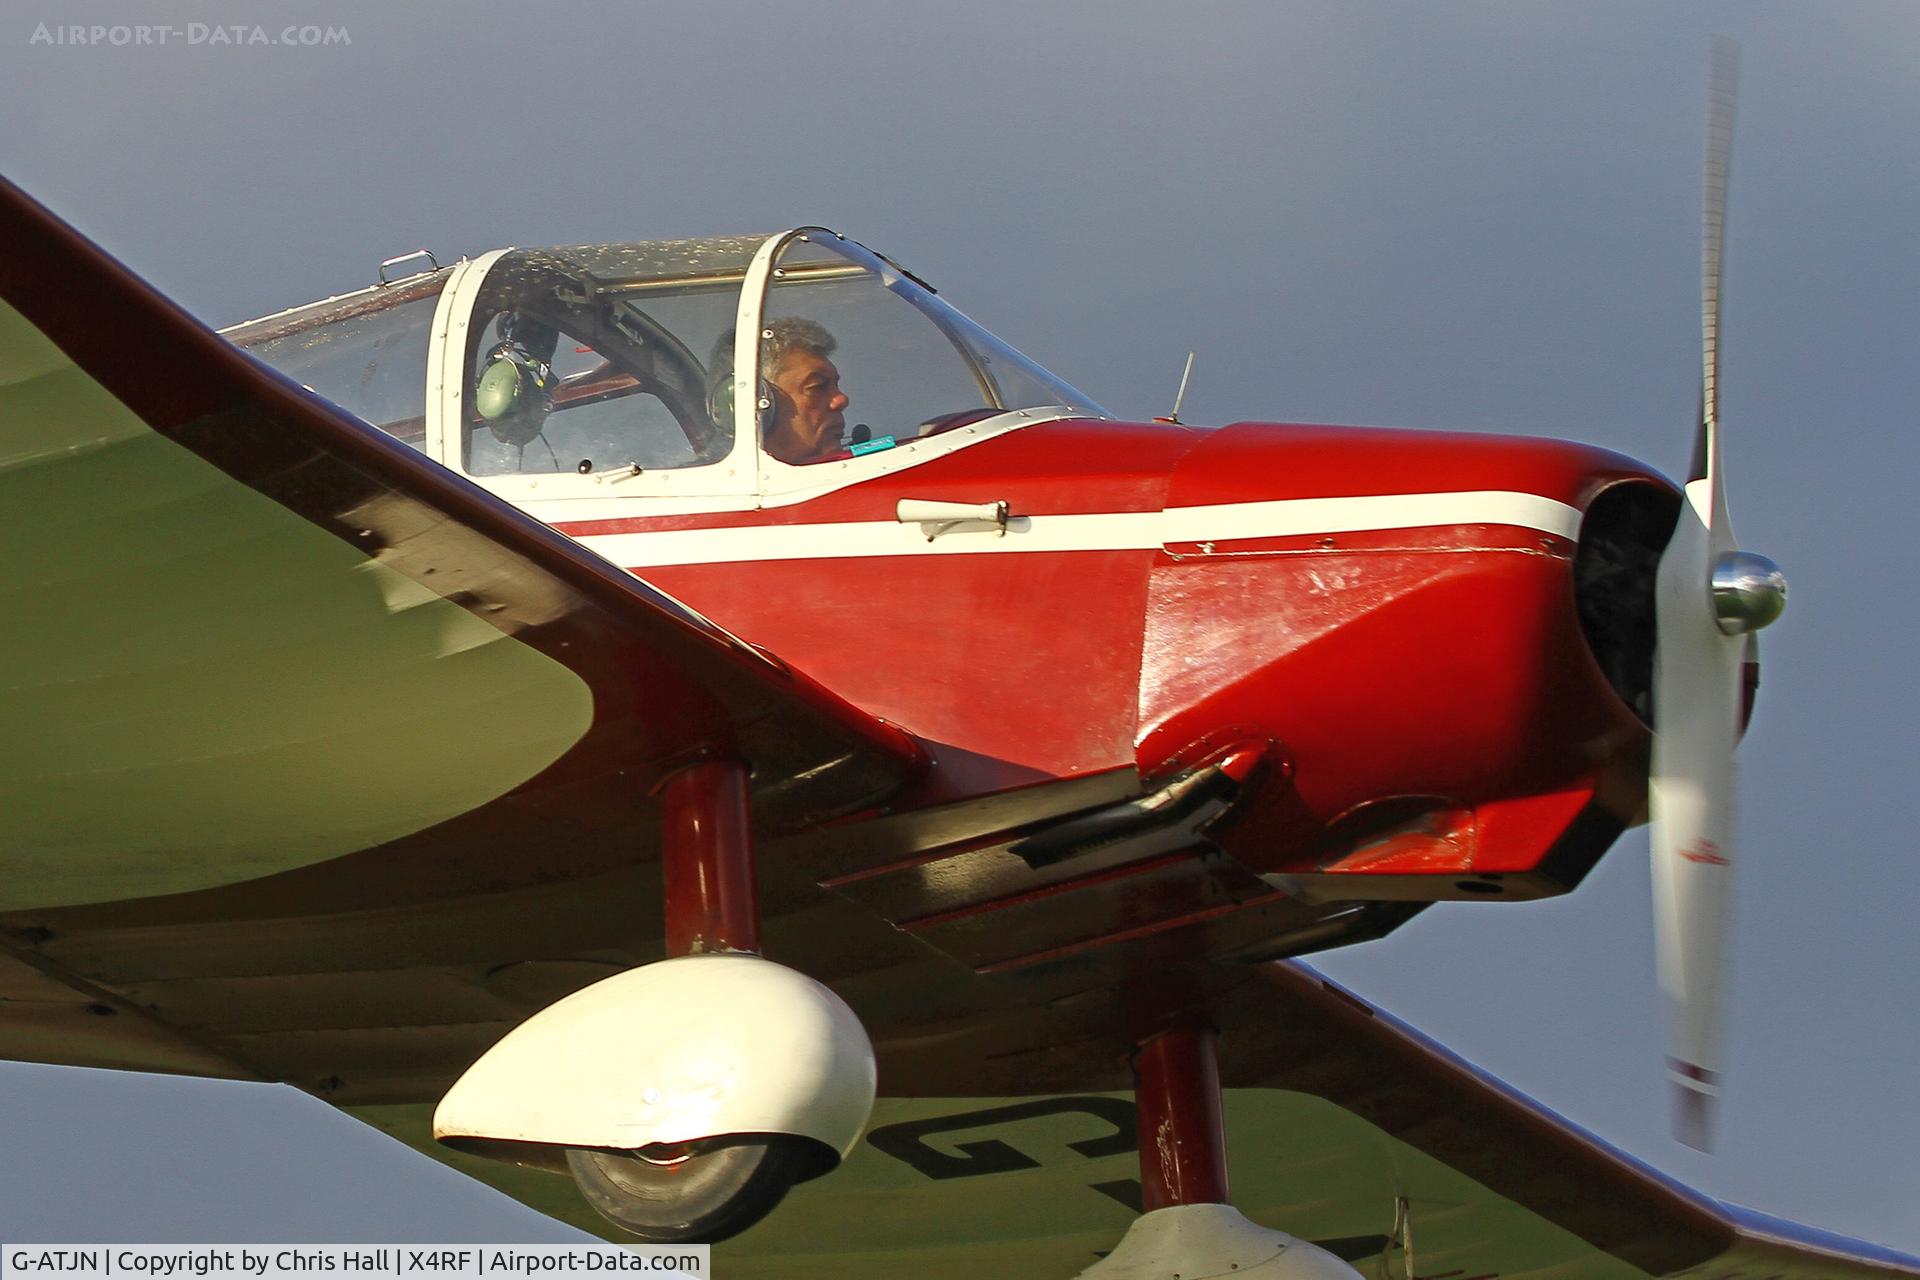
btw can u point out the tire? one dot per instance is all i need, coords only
(712, 1193)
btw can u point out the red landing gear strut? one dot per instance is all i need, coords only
(1183, 1132)
(706, 861)
(1187, 1227)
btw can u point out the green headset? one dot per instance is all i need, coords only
(514, 393)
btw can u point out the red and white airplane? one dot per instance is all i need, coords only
(609, 711)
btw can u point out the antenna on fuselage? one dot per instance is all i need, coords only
(1179, 396)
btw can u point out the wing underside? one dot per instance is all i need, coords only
(1346, 1127)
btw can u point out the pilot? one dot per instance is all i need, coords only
(809, 408)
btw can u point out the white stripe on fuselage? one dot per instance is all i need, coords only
(1108, 531)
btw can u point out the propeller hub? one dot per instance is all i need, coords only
(1749, 591)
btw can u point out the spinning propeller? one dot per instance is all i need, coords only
(1710, 600)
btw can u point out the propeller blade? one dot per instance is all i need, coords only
(1699, 681)
(1723, 84)
(1699, 688)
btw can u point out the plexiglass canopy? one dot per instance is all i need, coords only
(594, 358)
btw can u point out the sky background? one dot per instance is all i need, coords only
(1458, 215)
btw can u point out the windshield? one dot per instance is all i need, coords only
(857, 356)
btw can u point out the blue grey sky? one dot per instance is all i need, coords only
(1468, 215)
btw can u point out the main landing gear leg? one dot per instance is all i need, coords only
(1188, 1229)
(687, 1095)
(706, 861)
(718, 1184)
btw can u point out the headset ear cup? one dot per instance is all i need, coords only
(720, 405)
(497, 392)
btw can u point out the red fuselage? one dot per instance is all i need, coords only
(1388, 617)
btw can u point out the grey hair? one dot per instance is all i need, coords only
(788, 334)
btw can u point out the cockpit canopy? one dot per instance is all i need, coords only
(633, 356)
(630, 359)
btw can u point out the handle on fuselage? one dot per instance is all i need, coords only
(936, 518)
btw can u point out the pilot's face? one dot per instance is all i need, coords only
(809, 409)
